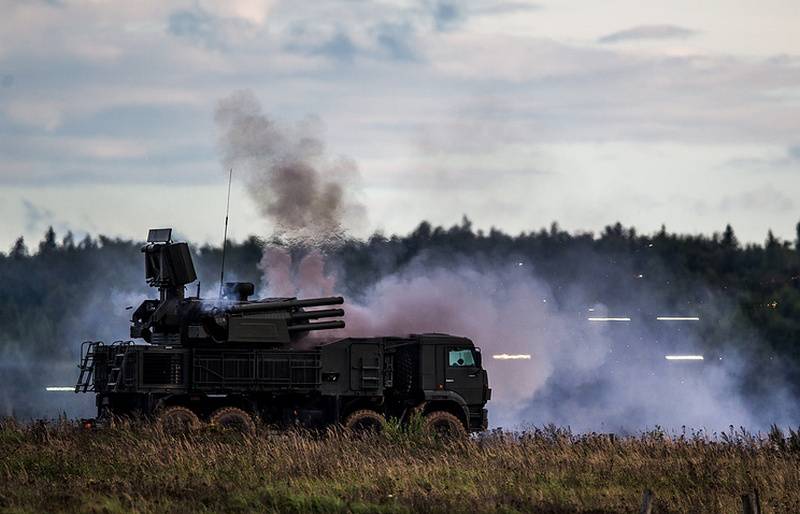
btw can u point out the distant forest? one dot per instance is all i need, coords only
(58, 291)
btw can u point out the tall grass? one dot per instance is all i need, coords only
(133, 467)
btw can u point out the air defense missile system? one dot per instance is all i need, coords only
(231, 360)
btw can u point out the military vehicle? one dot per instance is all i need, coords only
(231, 360)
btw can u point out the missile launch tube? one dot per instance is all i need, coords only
(324, 325)
(285, 304)
(322, 313)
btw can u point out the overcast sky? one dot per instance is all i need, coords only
(514, 113)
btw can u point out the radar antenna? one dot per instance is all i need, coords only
(225, 237)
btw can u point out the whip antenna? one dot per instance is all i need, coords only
(225, 237)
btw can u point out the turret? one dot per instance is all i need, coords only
(233, 319)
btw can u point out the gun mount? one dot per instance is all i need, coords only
(175, 319)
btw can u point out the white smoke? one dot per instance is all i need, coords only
(590, 376)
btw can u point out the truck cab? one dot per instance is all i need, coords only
(453, 375)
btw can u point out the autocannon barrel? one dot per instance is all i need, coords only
(322, 313)
(323, 325)
(285, 304)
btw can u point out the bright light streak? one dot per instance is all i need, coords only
(592, 318)
(60, 389)
(678, 318)
(507, 357)
(683, 357)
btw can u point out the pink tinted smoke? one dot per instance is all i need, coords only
(307, 280)
(311, 277)
(516, 320)
(276, 264)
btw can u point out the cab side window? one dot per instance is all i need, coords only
(461, 358)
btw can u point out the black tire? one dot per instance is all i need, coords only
(444, 424)
(233, 418)
(365, 421)
(178, 420)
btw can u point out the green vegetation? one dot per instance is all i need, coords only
(136, 468)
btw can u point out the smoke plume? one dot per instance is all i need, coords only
(590, 376)
(306, 196)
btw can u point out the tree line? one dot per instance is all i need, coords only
(61, 288)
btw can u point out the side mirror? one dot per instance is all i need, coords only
(478, 357)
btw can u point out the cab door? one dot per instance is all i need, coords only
(463, 373)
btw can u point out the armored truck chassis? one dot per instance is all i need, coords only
(230, 360)
(328, 384)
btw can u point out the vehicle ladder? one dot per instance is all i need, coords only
(116, 372)
(86, 366)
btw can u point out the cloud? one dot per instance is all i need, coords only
(766, 198)
(562, 92)
(42, 113)
(396, 40)
(449, 15)
(491, 9)
(787, 160)
(68, 102)
(381, 38)
(121, 94)
(334, 43)
(648, 32)
(197, 26)
(254, 12)
(339, 46)
(446, 14)
(215, 28)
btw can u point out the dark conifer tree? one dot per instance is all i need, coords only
(797, 239)
(729, 238)
(68, 242)
(48, 244)
(19, 250)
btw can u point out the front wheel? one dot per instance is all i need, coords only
(444, 424)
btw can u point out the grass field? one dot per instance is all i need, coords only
(59, 467)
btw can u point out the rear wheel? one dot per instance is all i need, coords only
(233, 418)
(178, 420)
(365, 421)
(444, 424)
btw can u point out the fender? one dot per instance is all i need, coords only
(432, 396)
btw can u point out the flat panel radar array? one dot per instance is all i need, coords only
(159, 235)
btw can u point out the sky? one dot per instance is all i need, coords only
(513, 113)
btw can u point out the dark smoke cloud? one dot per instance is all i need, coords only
(307, 196)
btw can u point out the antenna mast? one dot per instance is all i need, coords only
(225, 237)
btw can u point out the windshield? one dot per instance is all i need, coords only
(462, 357)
